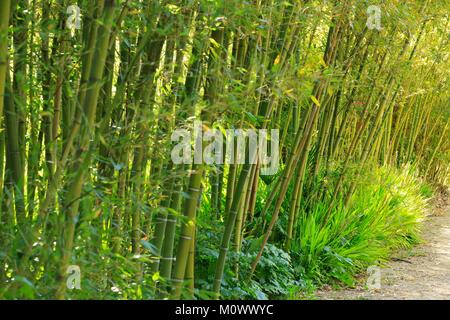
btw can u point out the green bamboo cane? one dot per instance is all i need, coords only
(90, 105)
(5, 8)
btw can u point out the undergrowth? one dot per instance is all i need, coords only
(383, 215)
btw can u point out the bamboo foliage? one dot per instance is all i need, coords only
(87, 116)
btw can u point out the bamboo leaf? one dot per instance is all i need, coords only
(316, 102)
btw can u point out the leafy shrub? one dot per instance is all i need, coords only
(383, 215)
(275, 276)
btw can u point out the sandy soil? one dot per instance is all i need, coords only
(421, 273)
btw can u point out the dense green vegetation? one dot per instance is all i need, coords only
(89, 103)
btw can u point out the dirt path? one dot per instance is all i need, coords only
(422, 273)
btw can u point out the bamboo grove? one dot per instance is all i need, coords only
(87, 113)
